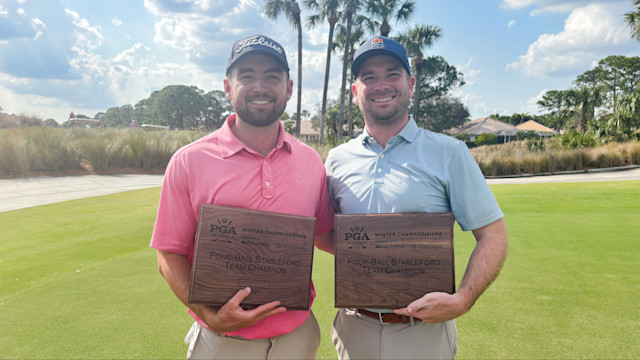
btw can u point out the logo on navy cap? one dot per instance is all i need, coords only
(377, 43)
(258, 41)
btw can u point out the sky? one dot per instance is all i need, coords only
(58, 56)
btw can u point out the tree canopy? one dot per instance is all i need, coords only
(176, 106)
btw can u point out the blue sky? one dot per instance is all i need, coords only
(87, 56)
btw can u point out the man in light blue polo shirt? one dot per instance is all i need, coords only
(396, 167)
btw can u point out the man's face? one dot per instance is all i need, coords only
(259, 88)
(382, 90)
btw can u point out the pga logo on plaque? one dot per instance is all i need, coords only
(357, 237)
(223, 230)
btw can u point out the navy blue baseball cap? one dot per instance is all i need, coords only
(379, 45)
(255, 44)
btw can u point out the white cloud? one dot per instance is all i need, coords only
(87, 37)
(38, 26)
(511, 24)
(553, 6)
(475, 104)
(201, 28)
(531, 104)
(116, 22)
(589, 31)
(317, 36)
(470, 74)
(180, 35)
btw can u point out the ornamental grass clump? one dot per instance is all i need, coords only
(101, 148)
(52, 150)
(137, 152)
(16, 153)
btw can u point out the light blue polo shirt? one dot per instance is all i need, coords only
(418, 171)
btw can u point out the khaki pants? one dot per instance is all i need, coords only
(361, 337)
(302, 343)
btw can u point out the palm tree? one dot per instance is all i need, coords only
(383, 11)
(627, 114)
(633, 20)
(324, 10)
(350, 8)
(291, 10)
(356, 36)
(414, 40)
(582, 102)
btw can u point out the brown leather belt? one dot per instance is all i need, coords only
(387, 318)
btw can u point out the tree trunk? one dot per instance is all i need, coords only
(299, 106)
(385, 28)
(417, 64)
(350, 126)
(345, 64)
(332, 23)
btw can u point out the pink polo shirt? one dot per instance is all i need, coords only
(220, 169)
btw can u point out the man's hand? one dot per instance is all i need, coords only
(484, 265)
(435, 307)
(176, 269)
(231, 316)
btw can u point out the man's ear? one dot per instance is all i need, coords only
(227, 90)
(354, 91)
(412, 84)
(289, 89)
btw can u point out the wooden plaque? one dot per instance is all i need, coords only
(270, 252)
(386, 261)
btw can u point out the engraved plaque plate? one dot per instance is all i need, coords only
(386, 261)
(270, 252)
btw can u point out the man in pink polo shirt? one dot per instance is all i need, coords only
(250, 162)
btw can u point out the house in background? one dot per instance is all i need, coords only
(486, 125)
(540, 129)
(308, 133)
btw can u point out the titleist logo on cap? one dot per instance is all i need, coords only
(258, 41)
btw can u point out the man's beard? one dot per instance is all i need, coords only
(260, 118)
(391, 116)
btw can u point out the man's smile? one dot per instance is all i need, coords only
(384, 99)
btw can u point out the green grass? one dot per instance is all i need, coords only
(78, 280)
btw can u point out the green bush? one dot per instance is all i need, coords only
(535, 144)
(486, 139)
(462, 137)
(574, 139)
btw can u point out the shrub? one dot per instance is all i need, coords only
(52, 150)
(16, 153)
(609, 156)
(100, 147)
(137, 152)
(462, 137)
(530, 165)
(574, 139)
(634, 154)
(535, 144)
(486, 139)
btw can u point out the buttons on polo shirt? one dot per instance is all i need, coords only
(268, 187)
(379, 175)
